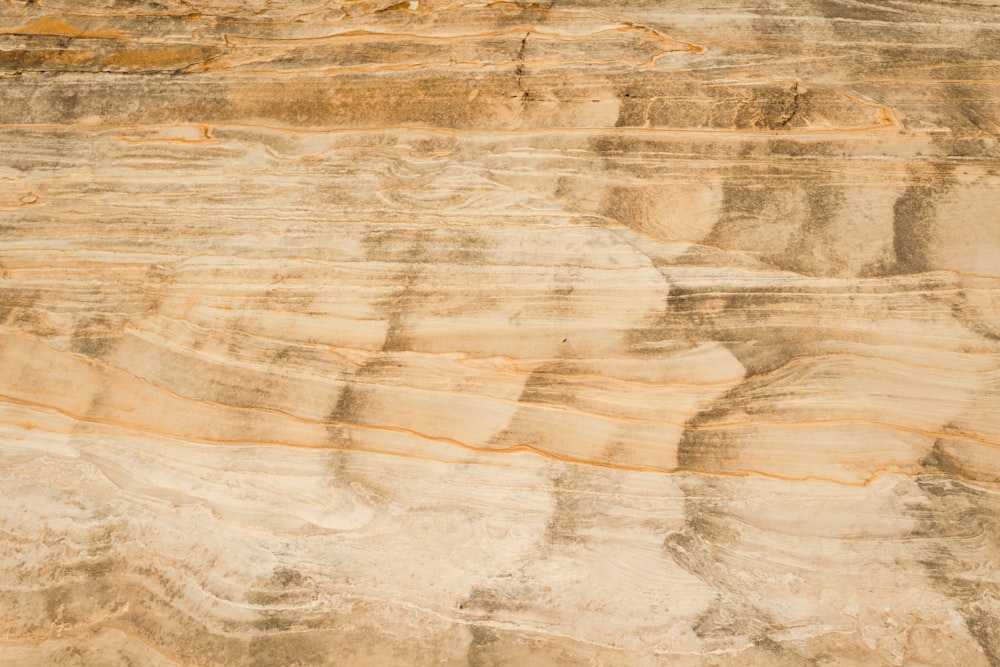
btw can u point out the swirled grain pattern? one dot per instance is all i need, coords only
(446, 332)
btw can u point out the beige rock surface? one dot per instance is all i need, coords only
(496, 333)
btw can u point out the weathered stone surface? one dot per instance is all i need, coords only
(445, 332)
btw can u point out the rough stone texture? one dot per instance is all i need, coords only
(497, 333)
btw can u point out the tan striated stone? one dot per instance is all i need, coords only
(468, 333)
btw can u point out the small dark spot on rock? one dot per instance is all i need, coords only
(913, 216)
(478, 655)
(286, 576)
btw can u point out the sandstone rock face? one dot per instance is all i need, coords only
(447, 332)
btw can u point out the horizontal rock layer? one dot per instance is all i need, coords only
(440, 332)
